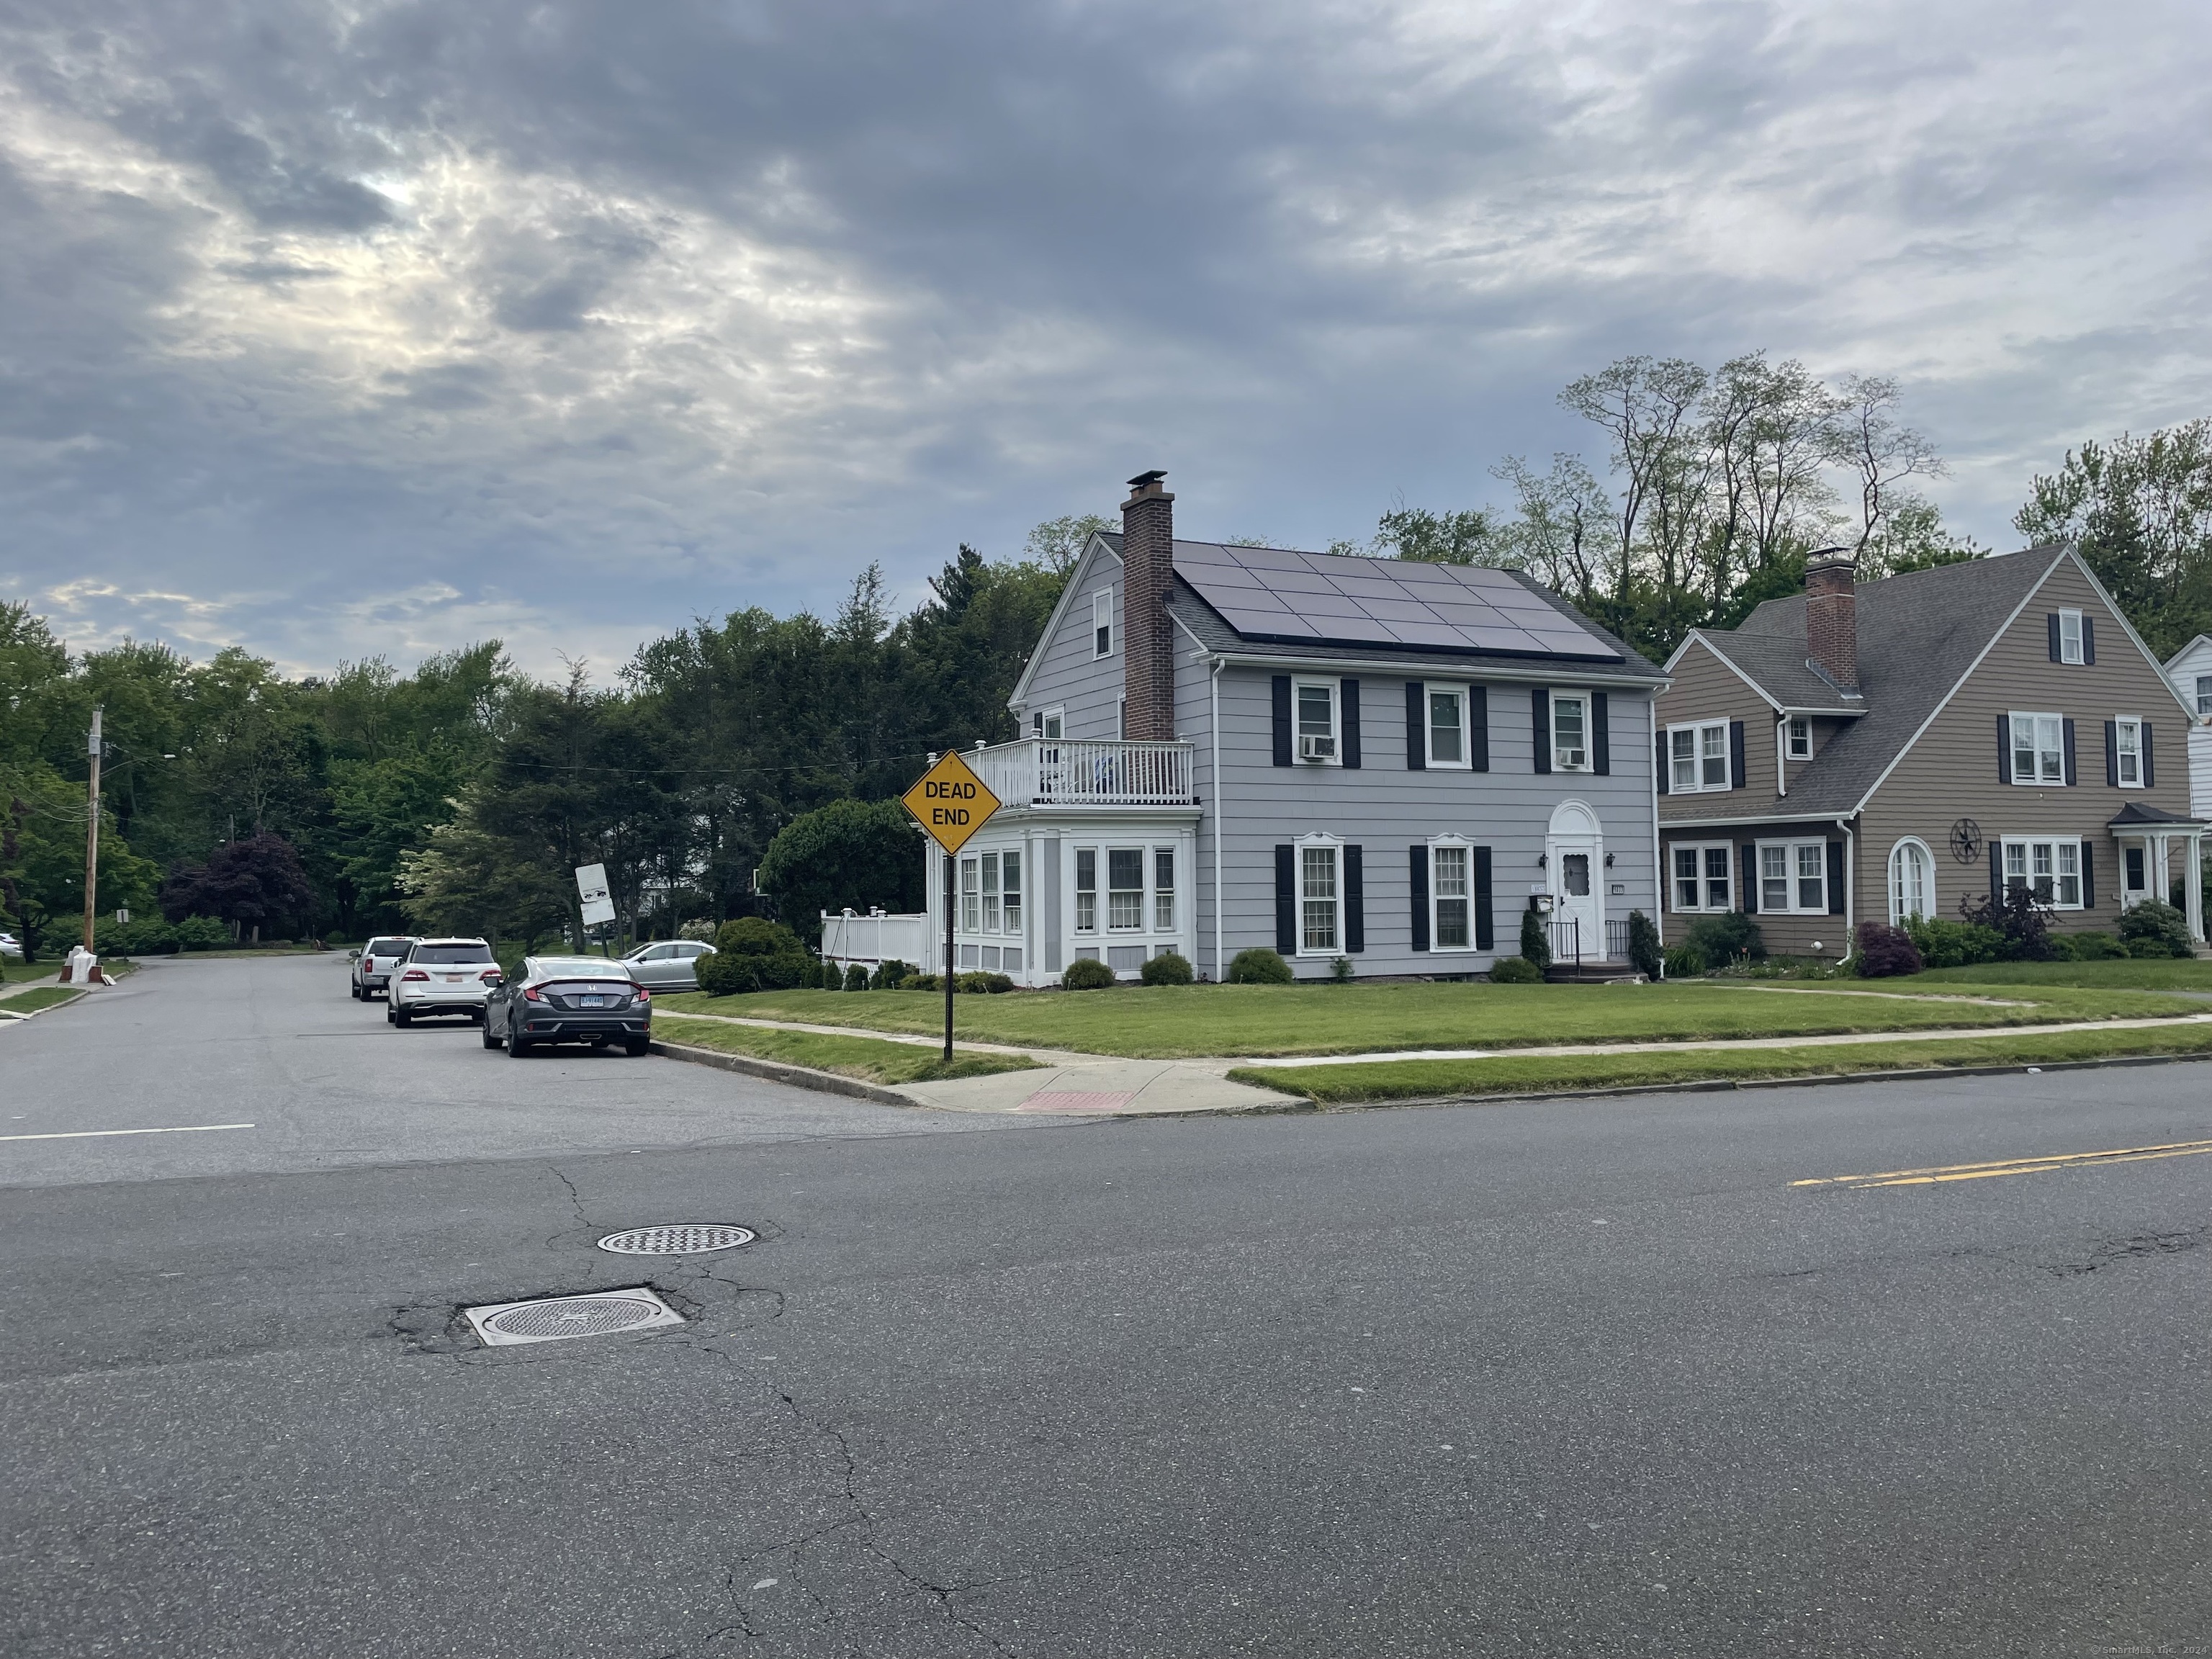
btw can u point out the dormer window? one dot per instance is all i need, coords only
(1801, 737)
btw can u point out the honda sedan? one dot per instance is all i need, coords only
(586, 1000)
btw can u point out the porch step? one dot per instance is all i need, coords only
(1592, 973)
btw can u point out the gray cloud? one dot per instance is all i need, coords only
(330, 330)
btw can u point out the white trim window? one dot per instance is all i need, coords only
(2051, 869)
(1051, 724)
(2204, 697)
(971, 894)
(1793, 877)
(1086, 890)
(2069, 637)
(1570, 718)
(1801, 737)
(1314, 718)
(2038, 748)
(1011, 909)
(1102, 622)
(1163, 890)
(1125, 889)
(1704, 876)
(1321, 898)
(1911, 881)
(1697, 757)
(1451, 894)
(2127, 753)
(1448, 746)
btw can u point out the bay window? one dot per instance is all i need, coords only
(1125, 887)
(1013, 882)
(1164, 893)
(972, 904)
(1086, 890)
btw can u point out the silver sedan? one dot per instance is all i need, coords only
(671, 965)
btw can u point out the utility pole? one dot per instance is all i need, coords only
(92, 833)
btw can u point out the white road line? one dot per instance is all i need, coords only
(87, 1135)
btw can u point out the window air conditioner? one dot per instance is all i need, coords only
(1571, 760)
(1317, 748)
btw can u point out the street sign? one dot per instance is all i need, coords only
(951, 803)
(591, 887)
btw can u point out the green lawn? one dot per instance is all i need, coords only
(1171, 1022)
(2172, 974)
(44, 996)
(13, 973)
(858, 1057)
(1435, 1078)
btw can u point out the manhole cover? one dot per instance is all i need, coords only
(555, 1319)
(682, 1238)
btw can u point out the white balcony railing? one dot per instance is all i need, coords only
(1061, 771)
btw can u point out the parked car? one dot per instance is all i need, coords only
(442, 976)
(671, 965)
(371, 968)
(569, 1000)
(10, 946)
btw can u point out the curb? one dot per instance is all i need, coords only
(1726, 1085)
(70, 1003)
(777, 1071)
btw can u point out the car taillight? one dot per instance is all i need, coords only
(413, 972)
(492, 976)
(530, 993)
(644, 995)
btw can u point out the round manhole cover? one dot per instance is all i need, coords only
(683, 1238)
(573, 1315)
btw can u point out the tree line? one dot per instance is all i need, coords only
(462, 795)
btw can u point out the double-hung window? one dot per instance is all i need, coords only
(1697, 757)
(2204, 697)
(2051, 870)
(990, 893)
(1316, 721)
(2038, 748)
(1102, 622)
(1012, 912)
(1570, 732)
(1086, 890)
(2069, 637)
(1801, 737)
(1163, 892)
(1793, 877)
(1451, 898)
(1318, 908)
(2127, 753)
(1448, 732)
(971, 895)
(1703, 878)
(1125, 887)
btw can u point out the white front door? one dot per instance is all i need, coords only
(1574, 857)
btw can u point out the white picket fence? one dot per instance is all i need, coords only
(877, 938)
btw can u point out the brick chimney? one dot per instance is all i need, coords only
(1832, 618)
(1147, 638)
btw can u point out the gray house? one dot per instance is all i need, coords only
(1369, 759)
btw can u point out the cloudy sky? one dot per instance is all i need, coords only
(336, 329)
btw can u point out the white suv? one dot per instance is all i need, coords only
(442, 976)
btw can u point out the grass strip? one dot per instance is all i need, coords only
(44, 996)
(863, 1058)
(1410, 1079)
(2157, 974)
(1170, 1023)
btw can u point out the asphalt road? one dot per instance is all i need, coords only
(1583, 1378)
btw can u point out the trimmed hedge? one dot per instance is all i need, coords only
(1166, 968)
(1087, 974)
(1259, 966)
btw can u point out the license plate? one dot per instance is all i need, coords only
(593, 1002)
(453, 979)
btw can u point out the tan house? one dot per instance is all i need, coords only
(1876, 750)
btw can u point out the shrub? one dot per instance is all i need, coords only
(856, 978)
(1339, 970)
(1643, 949)
(1684, 962)
(1517, 970)
(850, 853)
(890, 974)
(148, 936)
(2093, 946)
(1535, 942)
(924, 982)
(1086, 973)
(1953, 944)
(202, 933)
(1259, 966)
(2154, 928)
(981, 984)
(1728, 938)
(754, 954)
(1167, 969)
(2014, 916)
(1885, 951)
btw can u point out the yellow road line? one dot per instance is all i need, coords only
(2010, 1166)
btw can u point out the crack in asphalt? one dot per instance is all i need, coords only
(2105, 1252)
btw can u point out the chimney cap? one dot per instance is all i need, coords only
(1820, 557)
(1146, 483)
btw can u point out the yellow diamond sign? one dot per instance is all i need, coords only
(950, 802)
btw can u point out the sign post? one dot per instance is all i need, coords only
(950, 803)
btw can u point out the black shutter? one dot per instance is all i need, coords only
(2111, 754)
(1417, 863)
(2088, 877)
(1478, 727)
(1659, 758)
(1996, 868)
(1749, 865)
(1601, 734)
(1355, 900)
(1348, 696)
(2053, 620)
(1286, 899)
(1835, 879)
(1416, 729)
(1540, 710)
(1736, 779)
(2149, 766)
(2070, 752)
(2088, 639)
(2004, 749)
(1282, 720)
(1485, 936)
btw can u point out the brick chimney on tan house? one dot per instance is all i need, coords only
(1832, 621)
(1147, 635)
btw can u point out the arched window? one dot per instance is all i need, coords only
(1911, 881)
